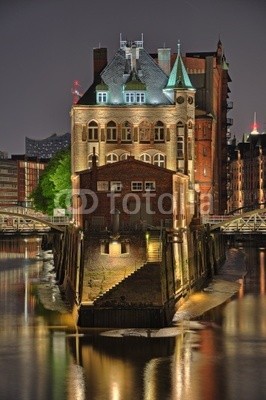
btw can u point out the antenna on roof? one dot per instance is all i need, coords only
(178, 47)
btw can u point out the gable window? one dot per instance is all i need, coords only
(102, 97)
(159, 132)
(126, 134)
(116, 186)
(111, 158)
(150, 186)
(111, 131)
(93, 131)
(159, 160)
(136, 186)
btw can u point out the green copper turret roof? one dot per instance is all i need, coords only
(102, 87)
(178, 78)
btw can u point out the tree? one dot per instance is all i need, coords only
(54, 184)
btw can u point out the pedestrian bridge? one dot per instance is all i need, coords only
(250, 222)
(26, 220)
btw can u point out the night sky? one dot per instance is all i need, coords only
(47, 44)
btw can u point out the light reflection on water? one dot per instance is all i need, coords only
(44, 356)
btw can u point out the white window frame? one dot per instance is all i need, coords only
(145, 157)
(136, 186)
(136, 97)
(150, 186)
(126, 132)
(115, 186)
(159, 160)
(102, 97)
(111, 158)
(159, 132)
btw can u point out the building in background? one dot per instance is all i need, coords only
(47, 148)
(247, 171)
(19, 175)
(3, 154)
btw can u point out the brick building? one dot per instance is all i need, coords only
(247, 171)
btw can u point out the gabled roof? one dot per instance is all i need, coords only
(179, 78)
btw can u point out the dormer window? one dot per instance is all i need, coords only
(102, 97)
(102, 93)
(134, 97)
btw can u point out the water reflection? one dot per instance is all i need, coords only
(43, 355)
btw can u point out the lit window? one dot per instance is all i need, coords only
(112, 157)
(93, 131)
(159, 132)
(135, 97)
(116, 186)
(111, 131)
(136, 186)
(101, 97)
(150, 186)
(159, 160)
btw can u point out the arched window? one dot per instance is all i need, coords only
(126, 133)
(93, 131)
(90, 160)
(124, 156)
(111, 131)
(145, 157)
(111, 158)
(159, 132)
(159, 160)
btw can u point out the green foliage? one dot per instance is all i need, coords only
(54, 184)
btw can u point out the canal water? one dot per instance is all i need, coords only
(43, 356)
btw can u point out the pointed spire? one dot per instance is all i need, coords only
(179, 78)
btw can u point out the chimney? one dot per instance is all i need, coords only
(164, 60)
(99, 61)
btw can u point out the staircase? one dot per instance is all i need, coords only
(154, 251)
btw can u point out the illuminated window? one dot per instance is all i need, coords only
(102, 97)
(145, 157)
(93, 131)
(150, 186)
(135, 97)
(159, 160)
(126, 133)
(136, 186)
(159, 132)
(111, 131)
(116, 186)
(111, 158)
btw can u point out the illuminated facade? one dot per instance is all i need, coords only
(247, 171)
(48, 147)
